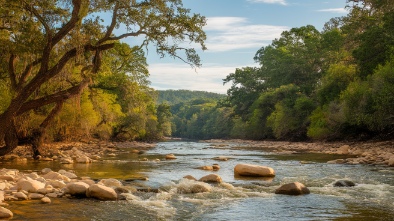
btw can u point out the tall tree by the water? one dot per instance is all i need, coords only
(53, 50)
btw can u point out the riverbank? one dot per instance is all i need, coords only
(371, 152)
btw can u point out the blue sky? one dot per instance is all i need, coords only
(235, 30)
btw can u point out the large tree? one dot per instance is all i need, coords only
(46, 43)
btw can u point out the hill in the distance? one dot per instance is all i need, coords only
(177, 96)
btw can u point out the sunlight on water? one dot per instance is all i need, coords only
(237, 198)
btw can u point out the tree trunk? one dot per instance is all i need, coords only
(10, 135)
(38, 135)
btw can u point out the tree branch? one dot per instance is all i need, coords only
(112, 25)
(26, 73)
(38, 80)
(40, 18)
(132, 34)
(60, 35)
(54, 98)
(70, 24)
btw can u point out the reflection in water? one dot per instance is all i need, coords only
(238, 198)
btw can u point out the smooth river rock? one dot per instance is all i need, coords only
(295, 188)
(5, 213)
(29, 185)
(77, 188)
(253, 170)
(170, 157)
(101, 192)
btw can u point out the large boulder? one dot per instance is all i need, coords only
(101, 192)
(29, 185)
(295, 188)
(77, 188)
(253, 170)
(5, 213)
(211, 178)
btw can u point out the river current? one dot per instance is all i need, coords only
(237, 198)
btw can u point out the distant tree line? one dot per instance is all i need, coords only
(177, 96)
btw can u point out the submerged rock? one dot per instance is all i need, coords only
(190, 186)
(295, 188)
(253, 170)
(211, 178)
(337, 161)
(221, 158)
(344, 183)
(205, 168)
(190, 177)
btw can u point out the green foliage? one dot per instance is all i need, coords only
(370, 103)
(294, 58)
(247, 84)
(290, 116)
(337, 78)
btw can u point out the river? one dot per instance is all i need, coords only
(236, 199)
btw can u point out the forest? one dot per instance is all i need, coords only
(334, 84)
(65, 75)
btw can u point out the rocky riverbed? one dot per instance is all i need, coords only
(46, 184)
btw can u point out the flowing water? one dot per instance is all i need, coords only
(236, 199)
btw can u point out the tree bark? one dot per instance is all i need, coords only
(39, 134)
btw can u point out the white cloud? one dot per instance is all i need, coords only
(334, 10)
(180, 76)
(281, 2)
(230, 33)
